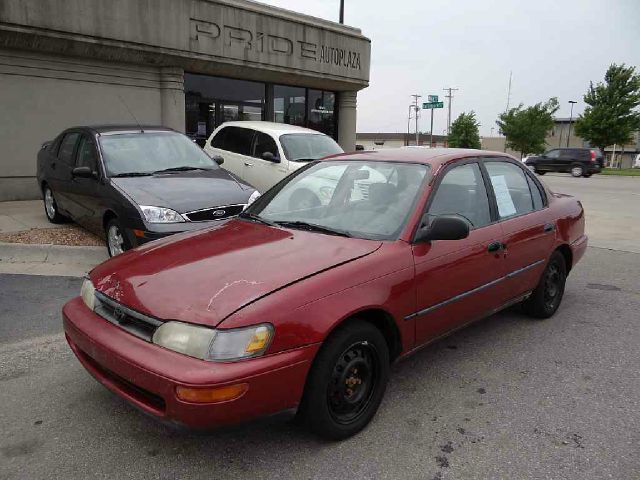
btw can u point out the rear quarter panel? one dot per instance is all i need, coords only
(570, 222)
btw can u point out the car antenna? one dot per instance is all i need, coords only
(131, 113)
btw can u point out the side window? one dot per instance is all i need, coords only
(569, 154)
(86, 156)
(553, 153)
(462, 192)
(511, 189)
(65, 154)
(218, 140)
(264, 143)
(238, 140)
(535, 194)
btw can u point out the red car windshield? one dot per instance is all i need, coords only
(370, 200)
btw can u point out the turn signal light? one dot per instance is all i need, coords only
(211, 395)
(139, 233)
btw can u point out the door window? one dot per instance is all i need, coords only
(65, 154)
(264, 143)
(462, 192)
(552, 154)
(237, 140)
(218, 140)
(511, 189)
(87, 154)
(538, 203)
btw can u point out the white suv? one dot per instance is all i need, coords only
(263, 153)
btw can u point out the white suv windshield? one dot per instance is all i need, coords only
(145, 153)
(300, 147)
(355, 198)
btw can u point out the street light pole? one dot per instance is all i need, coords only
(409, 123)
(341, 11)
(572, 102)
(417, 109)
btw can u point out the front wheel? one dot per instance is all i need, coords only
(346, 382)
(546, 298)
(117, 242)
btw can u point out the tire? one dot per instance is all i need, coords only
(51, 207)
(540, 172)
(117, 241)
(547, 296)
(577, 170)
(346, 382)
(303, 199)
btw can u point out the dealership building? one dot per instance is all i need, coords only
(186, 64)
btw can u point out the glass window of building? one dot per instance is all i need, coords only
(320, 112)
(289, 105)
(211, 101)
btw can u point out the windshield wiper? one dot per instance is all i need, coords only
(132, 174)
(256, 218)
(180, 169)
(312, 227)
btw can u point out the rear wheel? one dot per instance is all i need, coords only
(346, 382)
(51, 207)
(117, 242)
(577, 170)
(545, 299)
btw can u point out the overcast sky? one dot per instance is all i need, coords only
(553, 47)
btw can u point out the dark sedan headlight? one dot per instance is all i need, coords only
(214, 345)
(160, 215)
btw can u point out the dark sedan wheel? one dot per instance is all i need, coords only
(117, 242)
(51, 207)
(346, 382)
(577, 170)
(546, 298)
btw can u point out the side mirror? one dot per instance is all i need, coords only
(270, 157)
(445, 227)
(83, 172)
(217, 158)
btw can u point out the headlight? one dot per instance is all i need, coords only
(217, 345)
(254, 196)
(88, 293)
(160, 215)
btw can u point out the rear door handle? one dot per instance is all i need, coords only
(549, 227)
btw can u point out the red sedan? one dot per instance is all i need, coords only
(304, 306)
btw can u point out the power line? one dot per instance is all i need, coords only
(449, 97)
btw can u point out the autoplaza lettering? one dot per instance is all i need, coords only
(203, 32)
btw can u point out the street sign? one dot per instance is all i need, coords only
(427, 106)
(432, 98)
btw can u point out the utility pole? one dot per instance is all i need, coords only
(449, 97)
(509, 93)
(409, 123)
(417, 109)
(572, 102)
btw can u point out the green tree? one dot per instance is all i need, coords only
(611, 116)
(464, 131)
(527, 128)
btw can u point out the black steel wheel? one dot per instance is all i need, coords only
(547, 296)
(347, 381)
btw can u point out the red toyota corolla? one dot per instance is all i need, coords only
(303, 305)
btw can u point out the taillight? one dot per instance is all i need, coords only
(593, 156)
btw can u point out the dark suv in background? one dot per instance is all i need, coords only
(579, 162)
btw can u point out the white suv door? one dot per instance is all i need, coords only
(268, 165)
(234, 144)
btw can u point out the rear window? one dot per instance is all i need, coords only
(234, 139)
(302, 147)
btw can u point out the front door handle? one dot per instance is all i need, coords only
(549, 227)
(495, 247)
(247, 164)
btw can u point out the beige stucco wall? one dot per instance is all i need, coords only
(41, 95)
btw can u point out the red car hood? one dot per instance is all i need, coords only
(205, 276)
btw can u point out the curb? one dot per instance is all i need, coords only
(51, 254)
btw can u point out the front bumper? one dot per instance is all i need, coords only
(147, 375)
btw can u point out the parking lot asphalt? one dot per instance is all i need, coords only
(611, 205)
(507, 398)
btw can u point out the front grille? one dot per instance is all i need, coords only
(136, 323)
(215, 213)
